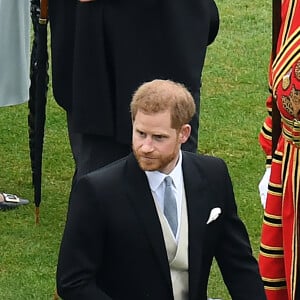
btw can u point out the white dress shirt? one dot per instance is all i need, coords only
(157, 186)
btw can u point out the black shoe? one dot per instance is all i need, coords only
(9, 201)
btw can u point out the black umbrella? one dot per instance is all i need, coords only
(38, 95)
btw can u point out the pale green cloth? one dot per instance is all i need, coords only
(14, 51)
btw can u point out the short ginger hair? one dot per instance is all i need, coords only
(161, 95)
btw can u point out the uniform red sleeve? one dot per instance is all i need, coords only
(265, 134)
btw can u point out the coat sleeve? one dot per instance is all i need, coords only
(81, 246)
(62, 16)
(234, 255)
(214, 21)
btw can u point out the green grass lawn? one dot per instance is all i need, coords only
(232, 111)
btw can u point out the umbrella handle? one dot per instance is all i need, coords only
(44, 12)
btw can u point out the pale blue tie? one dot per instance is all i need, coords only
(170, 207)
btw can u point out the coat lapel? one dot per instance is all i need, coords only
(196, 189)
(140, 195)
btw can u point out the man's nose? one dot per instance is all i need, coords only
(147, 145)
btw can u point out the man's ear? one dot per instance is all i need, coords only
(184, 133)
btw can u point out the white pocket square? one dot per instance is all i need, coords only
(214, 214)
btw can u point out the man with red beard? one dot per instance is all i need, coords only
(149, 225)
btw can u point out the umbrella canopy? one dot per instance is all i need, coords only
(38, 95)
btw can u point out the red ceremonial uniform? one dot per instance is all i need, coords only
(278, 259)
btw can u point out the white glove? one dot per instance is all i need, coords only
(263, 187)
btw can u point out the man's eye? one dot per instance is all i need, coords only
(159, 137)
(140, 133)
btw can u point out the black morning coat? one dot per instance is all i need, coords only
(103, 50)
(113, 245)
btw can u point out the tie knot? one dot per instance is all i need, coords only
(168, 180)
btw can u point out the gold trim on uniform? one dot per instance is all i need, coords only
(286, 80)
(297, 70)
(295, 100)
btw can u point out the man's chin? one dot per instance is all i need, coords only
(147, 163)
(147, 167)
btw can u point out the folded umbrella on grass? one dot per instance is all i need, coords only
(38, 95)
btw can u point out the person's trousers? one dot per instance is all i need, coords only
(91, 152)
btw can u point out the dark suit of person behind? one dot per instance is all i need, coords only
(114, 246)
(103, 50)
